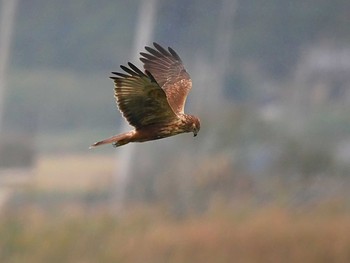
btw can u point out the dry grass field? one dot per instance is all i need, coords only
(74, 172)
(270, 235)
(69, 232)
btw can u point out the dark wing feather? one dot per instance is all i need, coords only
(140, 99)
(169, 72)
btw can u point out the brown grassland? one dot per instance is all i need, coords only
(71, 232)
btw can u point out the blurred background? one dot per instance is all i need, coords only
(265, 180)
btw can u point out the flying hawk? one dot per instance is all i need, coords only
(153, 101)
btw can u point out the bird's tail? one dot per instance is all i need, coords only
(117, 140)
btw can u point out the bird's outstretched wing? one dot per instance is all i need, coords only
(169, 72)
(140, 99)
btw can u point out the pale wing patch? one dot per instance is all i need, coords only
(169, 72)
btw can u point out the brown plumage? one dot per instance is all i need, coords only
(153, 101)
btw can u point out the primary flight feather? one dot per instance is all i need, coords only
(153, 101)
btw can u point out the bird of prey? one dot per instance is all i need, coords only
(153, 101)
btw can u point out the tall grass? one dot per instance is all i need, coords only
(65, 215)
(148, 235)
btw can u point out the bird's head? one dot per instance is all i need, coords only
(195, 125)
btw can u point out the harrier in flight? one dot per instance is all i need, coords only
(153, 101)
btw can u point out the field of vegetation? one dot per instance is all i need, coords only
(63, 218)
(146, 235)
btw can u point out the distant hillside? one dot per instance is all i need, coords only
(89, 35)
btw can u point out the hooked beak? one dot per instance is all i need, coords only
(194, 134)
